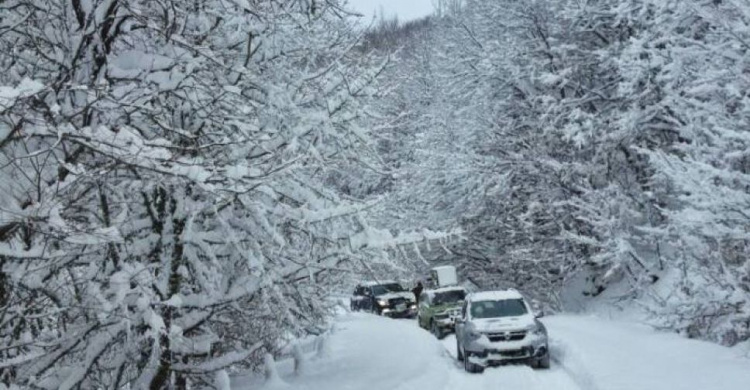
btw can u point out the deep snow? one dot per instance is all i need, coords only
(608, 355)
(369, 352)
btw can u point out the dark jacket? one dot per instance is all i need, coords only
(417, 291)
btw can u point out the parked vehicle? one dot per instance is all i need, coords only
(500, 326)
(387, 298)
(440, 308)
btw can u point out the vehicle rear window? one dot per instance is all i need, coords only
(501, 308)
(444, 297)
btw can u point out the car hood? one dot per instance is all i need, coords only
(405, 294)
(503, 323)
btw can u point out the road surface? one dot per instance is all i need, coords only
(366, 352)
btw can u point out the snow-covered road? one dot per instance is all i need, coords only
(369, 352)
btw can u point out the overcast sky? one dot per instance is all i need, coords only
(405, 9)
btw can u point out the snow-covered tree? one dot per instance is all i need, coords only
(165, 212)
(601, 140)
(685, 73)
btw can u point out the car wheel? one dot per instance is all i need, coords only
(435, 329)
(542, 363)
(459, 355)
(471, 367)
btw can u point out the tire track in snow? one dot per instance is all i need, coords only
(566, 358)
(511, 376)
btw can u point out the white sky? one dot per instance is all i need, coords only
(404, 9)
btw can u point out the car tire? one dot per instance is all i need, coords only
(471, 367)
(542, 363)
(435, 330)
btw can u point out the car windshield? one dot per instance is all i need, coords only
(445, 297)
(501, 308)
(386, 288)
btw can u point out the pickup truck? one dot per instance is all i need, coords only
(386, 298)
(439, 308)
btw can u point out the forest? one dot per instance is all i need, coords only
(185, 186)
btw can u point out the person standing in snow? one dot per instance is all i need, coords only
(417, 291)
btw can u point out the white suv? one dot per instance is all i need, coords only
(500, 326)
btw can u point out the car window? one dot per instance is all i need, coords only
(445, 297)
(387, 288)
(498, 308)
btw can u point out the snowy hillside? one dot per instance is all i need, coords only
(370, 352)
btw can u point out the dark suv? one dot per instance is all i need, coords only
(386, 298)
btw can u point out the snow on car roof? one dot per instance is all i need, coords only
(495, 295)
(446, 289)
(371, 283)
(432, 293)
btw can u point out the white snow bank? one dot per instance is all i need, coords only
(368, 352)
(607, 355)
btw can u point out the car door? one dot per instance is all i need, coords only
(368, 301)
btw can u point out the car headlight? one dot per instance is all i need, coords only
(473, 334)
(382, 302)
(538, 331)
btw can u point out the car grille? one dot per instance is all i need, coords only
(506, 336)
(452, 313)
(515, 353)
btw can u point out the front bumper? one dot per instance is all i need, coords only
(399, 312)
(446, 323)
(486, 353)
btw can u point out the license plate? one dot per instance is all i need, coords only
(401, 307)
